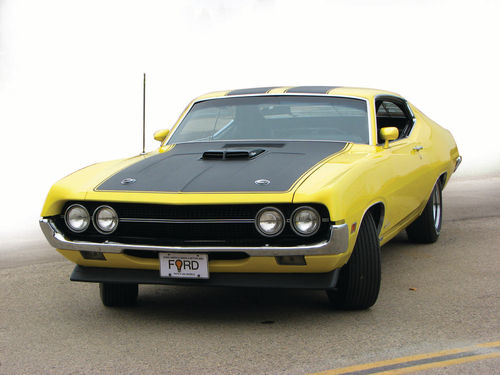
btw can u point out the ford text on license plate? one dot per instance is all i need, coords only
(187, 266)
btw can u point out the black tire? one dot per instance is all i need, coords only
(118, 294)
(359, 279)
(427, 227)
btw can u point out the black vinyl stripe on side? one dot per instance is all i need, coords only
(254, 90)
(311, 89)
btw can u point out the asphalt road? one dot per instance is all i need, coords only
(53, 326)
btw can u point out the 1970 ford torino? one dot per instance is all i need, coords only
(294, 187)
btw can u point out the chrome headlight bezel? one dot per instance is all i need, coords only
(95, 219)
(86, 218)
(295, 226)
(279, 216)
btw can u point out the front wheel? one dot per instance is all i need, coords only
(359, 279)
(427, 227)
(118, 294)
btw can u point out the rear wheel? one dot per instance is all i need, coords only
(427, 227)
(118, 294)
(359, 279)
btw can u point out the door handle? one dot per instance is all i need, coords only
(418, 148)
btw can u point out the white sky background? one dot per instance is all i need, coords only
(71, 74)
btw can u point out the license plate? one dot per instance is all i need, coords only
(184, 266)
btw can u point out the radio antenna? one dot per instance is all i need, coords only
(144, 116)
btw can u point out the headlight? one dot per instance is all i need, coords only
(77, 218)
(270, 221)
(305, 221)
(105, 219)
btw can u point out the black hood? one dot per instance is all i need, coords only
(225, 168)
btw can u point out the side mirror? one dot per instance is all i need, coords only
(160, 135)
(389, 134)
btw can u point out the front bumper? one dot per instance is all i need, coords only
(326, 280)
(337, 243)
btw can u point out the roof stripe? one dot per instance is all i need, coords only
(311, 89)
(279, 90)
(254, 90)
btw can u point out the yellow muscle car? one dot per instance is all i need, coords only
(294, 187)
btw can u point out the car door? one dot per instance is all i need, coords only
(403, 165)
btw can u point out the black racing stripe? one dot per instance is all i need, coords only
(182, 169)
(311, 89)
(254, 90)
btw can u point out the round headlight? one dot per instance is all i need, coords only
(305, 221)
(105, 219)
(77, 218)
(270, 221)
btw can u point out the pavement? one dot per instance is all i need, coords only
(433, 298)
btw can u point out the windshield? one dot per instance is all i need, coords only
(275, 118)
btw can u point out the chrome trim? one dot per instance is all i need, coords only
(66, 218)
(414, 119)
(411, 113)
(457, 163)
(257, 225)
(128, 180)
(337, 243)
(188, 109)
(262, 181)
(292, 221)
(436, 208)
(96, 225)
(187, 221)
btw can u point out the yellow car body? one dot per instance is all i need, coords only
(392, 180)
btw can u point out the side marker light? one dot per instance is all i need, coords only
(353, 228)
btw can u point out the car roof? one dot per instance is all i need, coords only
(365, 93)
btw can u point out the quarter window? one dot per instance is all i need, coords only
(393, 113)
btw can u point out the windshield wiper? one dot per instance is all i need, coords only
(224, 128)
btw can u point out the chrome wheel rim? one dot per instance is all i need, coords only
(436, 208)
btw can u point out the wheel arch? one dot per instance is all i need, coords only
(443, 179)
(377, 210)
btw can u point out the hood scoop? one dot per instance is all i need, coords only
(231, 154)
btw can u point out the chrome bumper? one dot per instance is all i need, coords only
(337, 243)
(457, 163)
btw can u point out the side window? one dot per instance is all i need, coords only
(393, 112)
